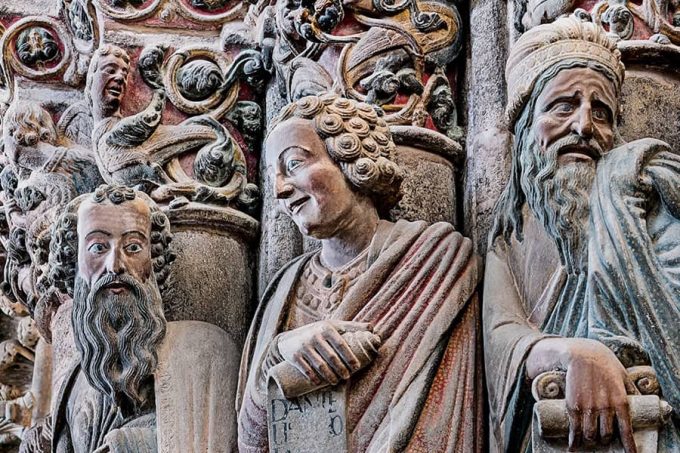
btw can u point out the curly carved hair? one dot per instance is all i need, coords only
(64, 244)
(28, 123)
(358, 140)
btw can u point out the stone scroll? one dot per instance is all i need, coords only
(309, 423)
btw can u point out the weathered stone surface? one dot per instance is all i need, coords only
(652, 71)
(577, 275)
(333, 172)
(180, 95)
(213, 247)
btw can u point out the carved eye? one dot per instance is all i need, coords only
(563, 108)
(601, 114)
(133, 248)
(292, 164)
(97, 248)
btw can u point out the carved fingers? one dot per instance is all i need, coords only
(625, 426)
(597, 400)
(320, 351)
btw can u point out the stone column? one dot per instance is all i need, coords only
(488, 143)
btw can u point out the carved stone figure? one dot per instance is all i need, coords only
(31, 143)
(140, 151)
(141, 384)
(50, 171)
(382, 318)
(577, 276)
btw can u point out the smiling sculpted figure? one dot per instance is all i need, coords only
(581, 276)
(129, 391)
(388, 310)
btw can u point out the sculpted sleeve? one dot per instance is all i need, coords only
(508, 339)
(635, 289)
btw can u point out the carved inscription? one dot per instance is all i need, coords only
(309, 423)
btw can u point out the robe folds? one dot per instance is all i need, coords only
(192, 388)
(424, 390)
(629, 297)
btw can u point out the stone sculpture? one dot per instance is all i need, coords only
(141, 384)
(383, 318)
(580, 251)
(139, 151)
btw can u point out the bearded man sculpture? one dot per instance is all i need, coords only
(581, 276)
(142, 384)
(387, 310)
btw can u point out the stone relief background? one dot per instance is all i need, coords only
(206, 77)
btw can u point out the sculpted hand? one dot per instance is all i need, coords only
(319, 351)
(596, 389)
(596, 397)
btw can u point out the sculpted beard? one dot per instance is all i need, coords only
(117, 336)
(560, 196)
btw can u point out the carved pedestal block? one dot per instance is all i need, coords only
(649, 104)
(430, 182)
(212, 278)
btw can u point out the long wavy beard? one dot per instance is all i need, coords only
(560, 197)
(118, 337)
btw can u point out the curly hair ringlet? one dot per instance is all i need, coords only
(358, 139)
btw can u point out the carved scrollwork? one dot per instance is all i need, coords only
(660, 18)
(211, 11)
(34, 47)
(6, 82)
(128, 10)
(388, 61)
(195, 82)
(199, 80)
(549, 385)
(645, 380)
(201, 11)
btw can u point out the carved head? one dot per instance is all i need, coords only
(106, 81)
(120, 239)
(564, 80)
(36, 45)
(329, 155)
(286, 13)
(24, 125)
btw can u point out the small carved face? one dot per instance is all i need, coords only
(114, 239)
(109, 83)
(578, 105)
(36, 45)
(309, 185)
(287, 12)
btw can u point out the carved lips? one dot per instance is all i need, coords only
(578, 153)
(295, 205)
(114, 90)
(117, 287)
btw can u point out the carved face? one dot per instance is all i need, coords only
(577, 106)
(114, 239)
(109, 84)
(117, 317)
(309, 185)
(286, 14)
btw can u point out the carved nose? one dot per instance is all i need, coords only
(115, 262)
(583, 125)
(283, 189)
